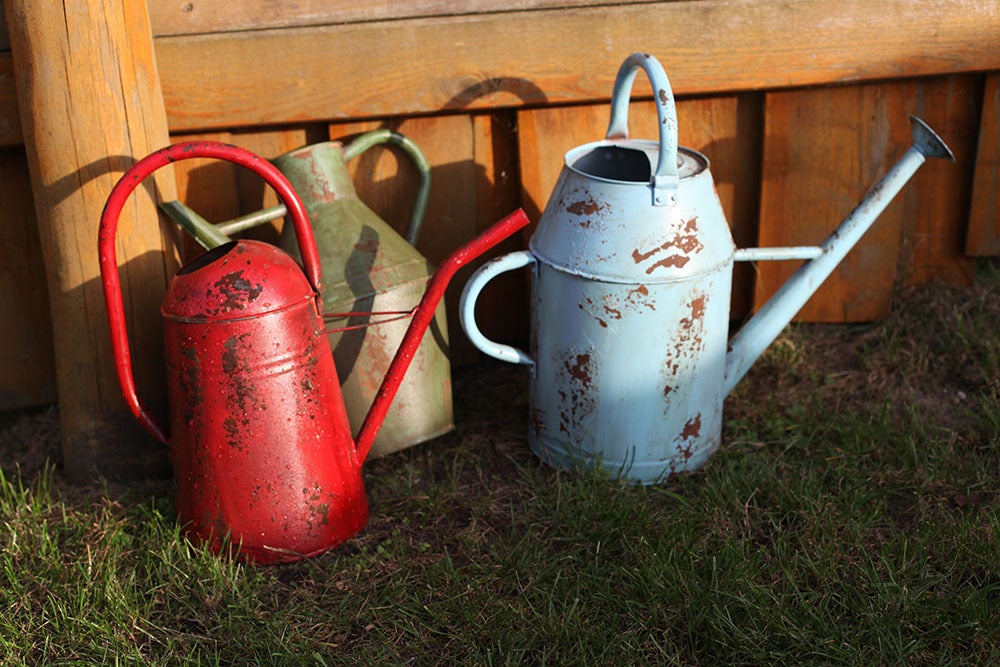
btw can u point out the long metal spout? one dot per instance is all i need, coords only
(751, 340)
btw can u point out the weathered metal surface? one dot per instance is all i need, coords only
(630, 303)
(263, 458)
(260, 445)
(260, 441)
(632, 262)
(370, 268)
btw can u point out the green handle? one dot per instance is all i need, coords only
(376, 137)
(210, 235)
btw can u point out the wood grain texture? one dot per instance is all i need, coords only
(822, 150)
(90, 106)
(566, 55)
(984, 218)
(936, 205)
(27, 366)
(190, 18)
(383, 68)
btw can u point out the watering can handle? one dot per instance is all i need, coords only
(111, 280)
(211, 235)
(376, 137)
(666, 176)
(467, 306)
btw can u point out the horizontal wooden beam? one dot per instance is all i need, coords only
(172, 17)
(427, 65)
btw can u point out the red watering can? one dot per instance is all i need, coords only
(261, 446)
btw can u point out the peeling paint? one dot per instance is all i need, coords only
(692, 428)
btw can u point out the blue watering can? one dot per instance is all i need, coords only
(632, 266)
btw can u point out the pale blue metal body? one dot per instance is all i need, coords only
(632, 267)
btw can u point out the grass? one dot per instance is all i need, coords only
(851, 517)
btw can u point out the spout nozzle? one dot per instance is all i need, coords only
(928, 142)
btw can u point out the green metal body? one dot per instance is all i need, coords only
(370, 268)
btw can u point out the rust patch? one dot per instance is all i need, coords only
(639, 296)
(689, 340)
(189, 380)
(581, 369)
(576, 398)
(585, 207)
(674, 261)
(697, 312)
(692, 428)
(241, 394)
(684, 244)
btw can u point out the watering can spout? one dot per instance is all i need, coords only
(762, 329)
(422, 317)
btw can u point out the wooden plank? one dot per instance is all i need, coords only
(727, 130)
(4, 39)
(90, 106)
(190, 18)
(936, 203)
(505, 318)
(11, 133)
(984, 218)
(27, 366)
(514, 58)
(555, 56)
(823, 149)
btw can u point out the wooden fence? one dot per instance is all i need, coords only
(799, 105)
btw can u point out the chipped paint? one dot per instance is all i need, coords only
(680, 249)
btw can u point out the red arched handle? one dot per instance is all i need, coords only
(110, 278)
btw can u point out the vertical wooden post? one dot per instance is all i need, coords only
(91, 105)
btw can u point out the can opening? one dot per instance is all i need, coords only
(615, 163)
(206, 258)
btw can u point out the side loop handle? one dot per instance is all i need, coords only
(111, 279)
(467, 306)
(666, 177)
(376, 137)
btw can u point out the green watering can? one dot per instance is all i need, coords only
(373, 277)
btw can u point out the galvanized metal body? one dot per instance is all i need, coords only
(632, 263)
(371, 269)
(630, 307)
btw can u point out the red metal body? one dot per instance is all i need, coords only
(261, 445)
